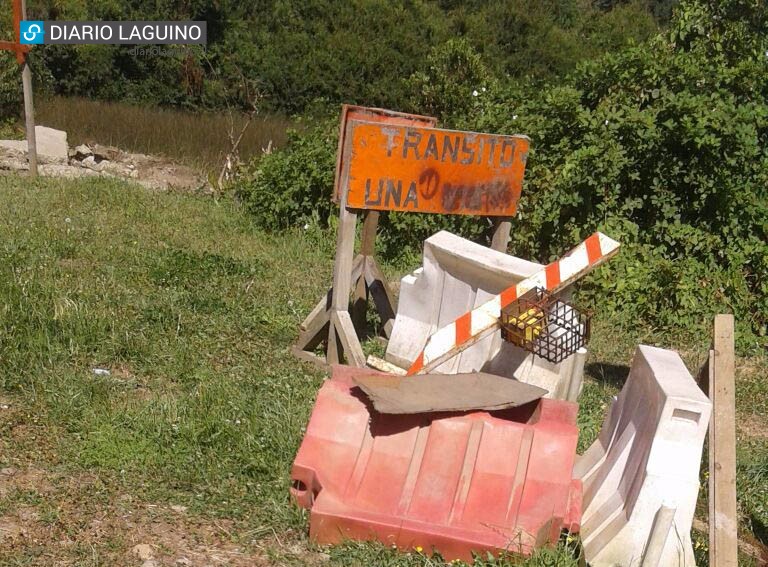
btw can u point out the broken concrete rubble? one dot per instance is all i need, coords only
(52, 146)
(86, 160)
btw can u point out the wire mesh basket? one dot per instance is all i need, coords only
(545, 325)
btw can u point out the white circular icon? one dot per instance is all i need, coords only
(32, 32)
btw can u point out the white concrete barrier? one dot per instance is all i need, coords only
(645, 464)
(456, 276)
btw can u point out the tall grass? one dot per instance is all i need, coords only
(200, 139)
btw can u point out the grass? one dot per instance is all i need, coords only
(199, 139)
(192, 311)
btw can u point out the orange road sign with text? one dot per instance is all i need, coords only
(431, 170)
(351, 112)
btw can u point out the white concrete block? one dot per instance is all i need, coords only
(647, 456)
(458, 275)
(52, 145)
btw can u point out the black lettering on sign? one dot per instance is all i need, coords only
(482, 197)
(480, 150)
(451, 197)
(412, 196)
(507, 147)
(412, 140)
(394, 191)
(468, 152)
(451, 148)
(492, 151)
(390, 133)
(430, 182)
(499, 195)
(431, 151)
(369, 201)
(473, 198)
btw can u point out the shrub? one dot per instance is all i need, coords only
(11, 100)
(663, 146)
(293, 186)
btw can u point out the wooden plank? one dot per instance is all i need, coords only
(334, 353)
(325, 303)
(430, 170)
(759, 554)
(360, 296)
(310, 357)
(381, 293)
(359, 309)
(723, 546)
(501, 232)
(345, 331)
(384, 365)
(29, 105)
(311, 337)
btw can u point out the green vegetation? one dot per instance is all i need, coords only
(662, 146)
(186, 304)
(301, 54)
(198, 138)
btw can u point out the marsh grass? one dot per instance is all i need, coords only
(199, 139)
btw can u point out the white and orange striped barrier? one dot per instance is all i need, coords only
(478, 323)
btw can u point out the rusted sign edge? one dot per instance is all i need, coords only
(346, 111)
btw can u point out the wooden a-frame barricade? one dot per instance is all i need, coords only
(392, 161)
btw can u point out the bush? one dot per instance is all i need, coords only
(11, 98)
(293, 186)
(663, 146)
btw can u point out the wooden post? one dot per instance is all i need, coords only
(723, 519)
(29, 106)
(367, 248)
(342, 339)
(500, 240)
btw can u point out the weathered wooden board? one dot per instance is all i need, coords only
(430, 170)
(723, 520)
(350, 112)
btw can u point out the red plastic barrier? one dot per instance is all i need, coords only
(452, 482)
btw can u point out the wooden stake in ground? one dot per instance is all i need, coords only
(29, 105)
(723, 519)
(22, 55)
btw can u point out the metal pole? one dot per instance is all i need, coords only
(29, 106)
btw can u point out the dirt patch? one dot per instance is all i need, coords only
(153, 172)
(50, 519)
(754, 426)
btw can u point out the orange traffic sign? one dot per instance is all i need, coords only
(351, 112)
(430, 170)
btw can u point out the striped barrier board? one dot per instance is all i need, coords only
(477, 324)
